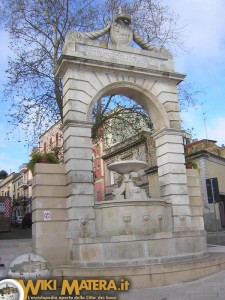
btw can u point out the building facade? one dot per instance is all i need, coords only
(210, 160)
(51, 141)
(18, 187)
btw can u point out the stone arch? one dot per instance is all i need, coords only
(91, 70)
(155, 109)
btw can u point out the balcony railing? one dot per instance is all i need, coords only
(23, 168)
(23, 183)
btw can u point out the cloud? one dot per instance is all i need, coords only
(204, 35)
(204, 25)
(215, 130)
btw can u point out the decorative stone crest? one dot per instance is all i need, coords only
(120, 31)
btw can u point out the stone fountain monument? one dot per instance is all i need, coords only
(132, 235)
(128, 190)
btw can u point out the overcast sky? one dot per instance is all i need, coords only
(204, 64)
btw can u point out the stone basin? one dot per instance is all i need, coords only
(127, 166)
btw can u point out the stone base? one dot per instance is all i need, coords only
(128, 250)
(150, 275)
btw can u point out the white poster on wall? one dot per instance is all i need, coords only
(2, 207)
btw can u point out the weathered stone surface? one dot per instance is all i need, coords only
(170, 148)
(167, 158)
(132, 217)
(79, 165)
(77, 142)
(81, 188)
(77, 153)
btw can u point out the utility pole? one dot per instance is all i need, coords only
(204, 120)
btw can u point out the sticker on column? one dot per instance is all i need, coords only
(47, 215)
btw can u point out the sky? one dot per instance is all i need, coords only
(204, 64)
(203, 25)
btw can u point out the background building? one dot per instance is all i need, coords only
(210, 160)
(209, 157)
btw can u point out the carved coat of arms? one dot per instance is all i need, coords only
(121, 34)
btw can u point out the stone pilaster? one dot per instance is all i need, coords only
(79, 178)
(172, 176)
(49, 213)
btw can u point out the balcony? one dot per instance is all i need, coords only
(23, 184)
(23, 168)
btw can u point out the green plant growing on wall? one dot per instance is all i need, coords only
(39, 157)
(190, 164)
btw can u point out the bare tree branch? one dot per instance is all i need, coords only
(37, 30)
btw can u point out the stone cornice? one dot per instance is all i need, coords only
(125, 145)
(113, 66)
(206, 154)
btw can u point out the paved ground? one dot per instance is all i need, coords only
(208, 288)
(16, 233)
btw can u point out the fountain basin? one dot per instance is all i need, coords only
(132, 217)
(127, 166)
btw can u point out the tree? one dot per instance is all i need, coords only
(118, 117)
(3, 174)
(37, 30)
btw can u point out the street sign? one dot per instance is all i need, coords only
(212, 190)
(47, 215)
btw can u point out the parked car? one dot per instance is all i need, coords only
(17, 221)
(27, 220)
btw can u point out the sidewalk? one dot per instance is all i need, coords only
(16, 233)
(208, 288)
